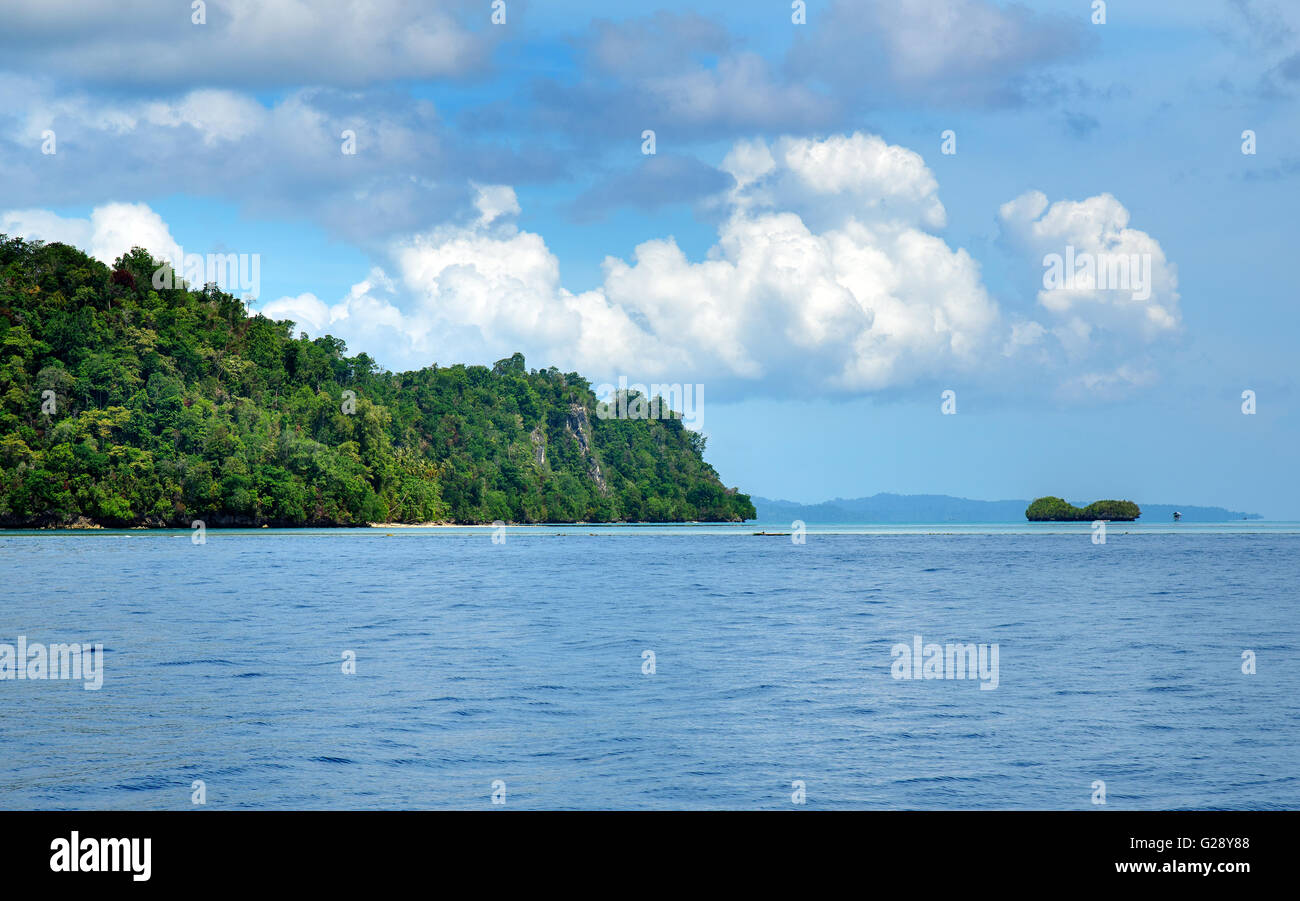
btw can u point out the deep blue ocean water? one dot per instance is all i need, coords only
(522, 662)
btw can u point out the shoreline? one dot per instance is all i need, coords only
(88, 526)
(748, 528)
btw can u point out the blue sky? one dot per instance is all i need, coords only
(798, 243)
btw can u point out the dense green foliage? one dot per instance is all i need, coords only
(1053, 509)
(125, 405)
(1116, 511)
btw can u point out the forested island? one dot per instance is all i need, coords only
(1053, 509)
(125, 405)
(934, 508)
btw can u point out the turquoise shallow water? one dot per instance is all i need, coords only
(522, 662)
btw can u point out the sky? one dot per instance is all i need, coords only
(827, 214)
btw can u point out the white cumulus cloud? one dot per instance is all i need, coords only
(824, 277)
(111, 230)
(827, 276)
(1112, 277)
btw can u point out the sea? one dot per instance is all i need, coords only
(927, 666)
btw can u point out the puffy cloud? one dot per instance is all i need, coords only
(488, 289)
(306, 310)
(832, 180)
(826, 277)
(43, 225)
(494, 202)
(1111, 276)
(852, 309)
(366, 318)
(867, 299)
(473, 292)
(111, 230)
(864, 299)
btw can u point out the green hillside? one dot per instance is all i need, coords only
(122, 405)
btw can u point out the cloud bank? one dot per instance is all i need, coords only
(828, 275)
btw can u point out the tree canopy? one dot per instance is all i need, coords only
(1054, 509)
(122, 405)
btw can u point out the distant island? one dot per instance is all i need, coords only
(937, 508)
(123, 404)
(1053, 509)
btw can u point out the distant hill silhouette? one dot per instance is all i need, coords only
(903, 508)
